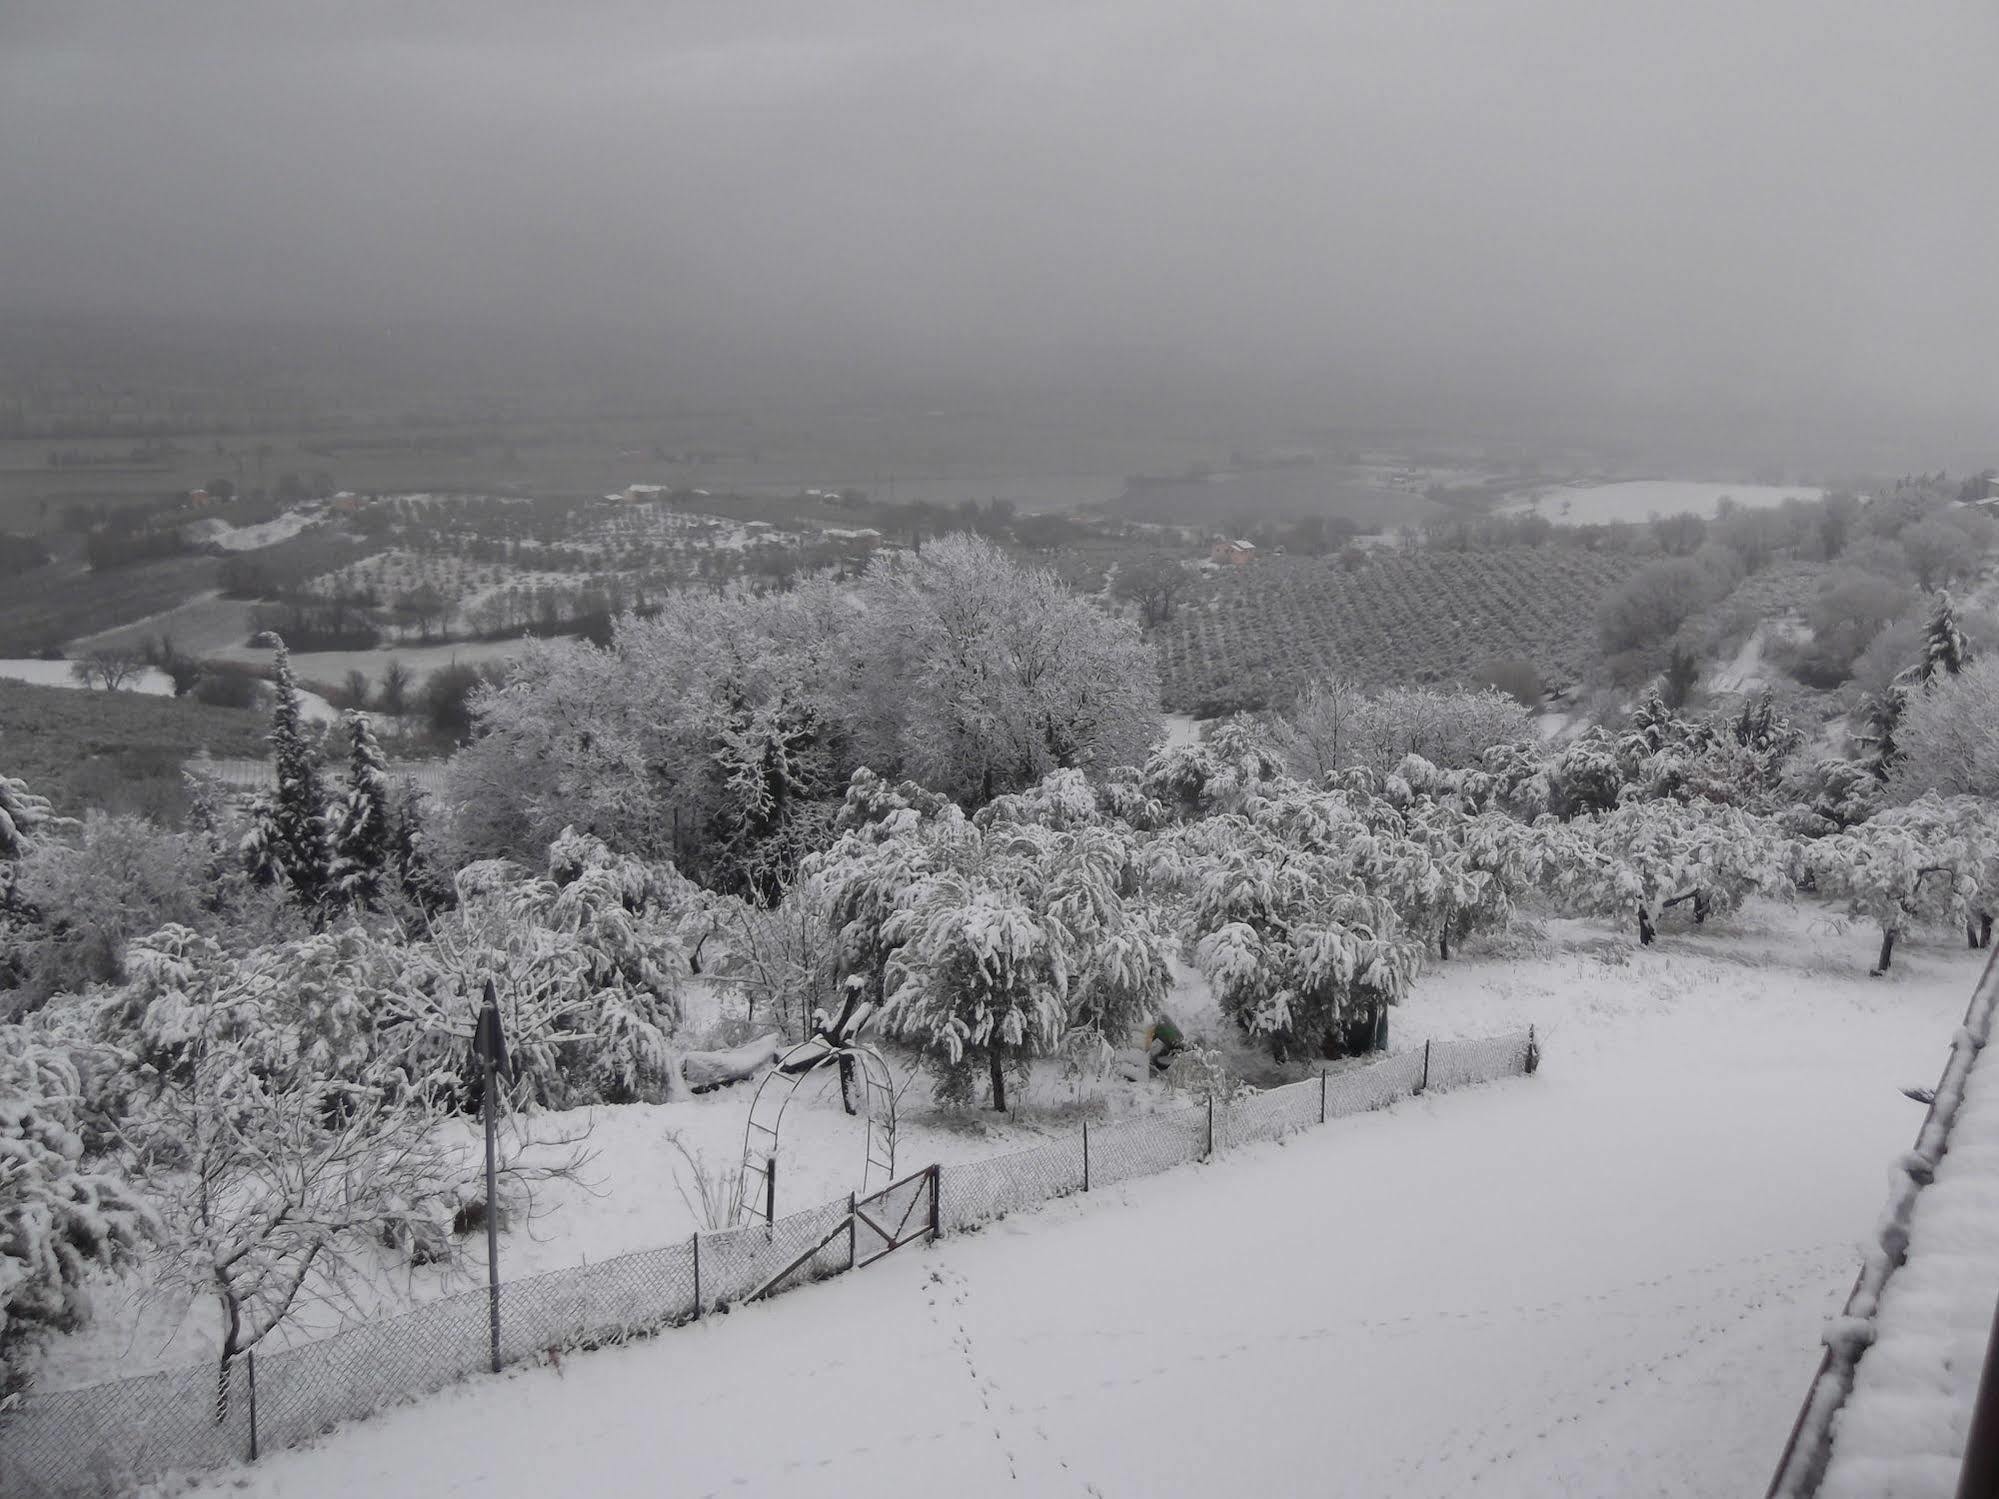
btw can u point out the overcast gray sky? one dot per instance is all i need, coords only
(1701, 202)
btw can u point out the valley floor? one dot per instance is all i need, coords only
(1606, 1279)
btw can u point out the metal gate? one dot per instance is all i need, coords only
(876, 1225)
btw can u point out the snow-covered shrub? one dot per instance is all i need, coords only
(1222, 773)
(60, 1219)
(1334, 725)
(120, 878)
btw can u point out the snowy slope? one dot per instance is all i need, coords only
(1608, 1279)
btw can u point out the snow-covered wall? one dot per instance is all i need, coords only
(1916, 1391)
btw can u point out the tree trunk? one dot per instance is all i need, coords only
(1444, 942)
(1700, 906)
(1970, 933)
(1984, 928)
(1645, 932)
(847, 1083)
(1887, 951)
(997, 1069)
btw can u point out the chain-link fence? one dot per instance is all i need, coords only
(105, 1439)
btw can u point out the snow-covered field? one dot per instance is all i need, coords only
(1608, 1279)
(419, 660)
(1639, 500)
(250, 538)
(148, 679)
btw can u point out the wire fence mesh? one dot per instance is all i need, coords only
(106, 1439)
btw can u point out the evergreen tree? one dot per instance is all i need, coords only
(289, 838)
(1944, 646)
(362, 829)
(1883, 714)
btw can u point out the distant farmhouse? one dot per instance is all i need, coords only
(1232, 550)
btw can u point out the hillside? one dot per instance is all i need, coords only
(1252, 636)
(115, 749)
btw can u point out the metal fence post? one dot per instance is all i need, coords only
(250, 1359)
(1533, 1053)
(936, 1196)
(697, 1275)
(1424, 1086)
(853, 1209)
(1322, 1095)
(1086, 1155)
(1211, 1128)
(770, 1192)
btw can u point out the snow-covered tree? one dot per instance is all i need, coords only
(1224, 772)
(986, 944)
(1945, 651)
(1828, 796)
(362, 829)
(61, 1218)
(1299, 955)
(1334, 725)
(1585, 775)
(1949, 737)
(1920, 865)
(1881, 722)
(288, 840)
(979, 675)
(278, 1164)
(586, 961)
(1644, 857)
(24, 817)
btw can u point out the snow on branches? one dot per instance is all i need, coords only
(993, 941)
(1931, 863)
(60, 1219)
(1647, 856)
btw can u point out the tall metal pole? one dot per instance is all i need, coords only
(492, 1216)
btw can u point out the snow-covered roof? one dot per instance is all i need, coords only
(1891, 1406)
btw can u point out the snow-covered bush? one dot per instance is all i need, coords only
(60, 1219)
(1224, 772)
(1334, 725)
(120, 878)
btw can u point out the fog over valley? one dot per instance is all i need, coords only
(1716, 226)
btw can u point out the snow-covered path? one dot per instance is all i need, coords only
(1608, 1279)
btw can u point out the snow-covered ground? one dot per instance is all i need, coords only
(148, 679)
(268, 533)
(419, 660)
(1638, 500)
(1607, 1279)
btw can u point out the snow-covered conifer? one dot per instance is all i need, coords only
(362, 831)
(289, 839)
(1945, 650)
